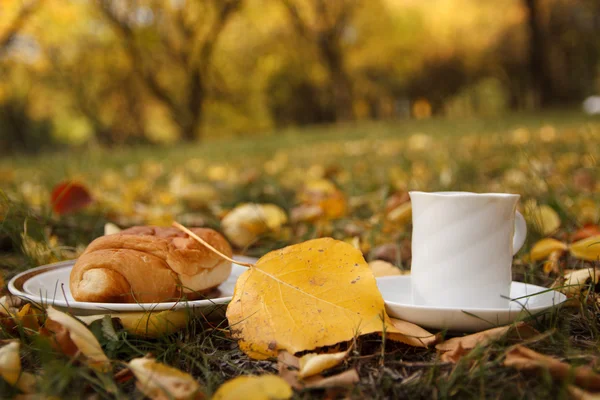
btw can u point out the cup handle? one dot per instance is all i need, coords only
(520, 232)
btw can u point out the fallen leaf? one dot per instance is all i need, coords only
(252, 387)
(525, 359)
(111, 229)
(68, 197)
(585, 232)
(543, 248)
(346, 378)
(29, 318)
(313, 294)
(10, 369)
(453, 356)
(580, 394)
(148, 324)
(245, 223)
(306, 213)
(520, 330)
(162, 382)
(85, 341)
(384, 268)
(411, 334)
(312, 363)
(552, 264)
(325, 195)
(586, 249)
(575, 282)
(544, 218)
(401, 214)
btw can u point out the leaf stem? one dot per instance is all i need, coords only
(217, 252)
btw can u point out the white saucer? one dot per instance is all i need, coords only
(49, 285)
(528, 300)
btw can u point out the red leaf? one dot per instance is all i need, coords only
(69, 197)
(586, 232)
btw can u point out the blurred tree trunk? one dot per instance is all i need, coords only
(325, 30)
(190, 46)
(541, 84)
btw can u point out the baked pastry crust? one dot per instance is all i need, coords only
(147, 264)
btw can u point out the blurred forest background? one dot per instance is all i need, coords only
(88, 72)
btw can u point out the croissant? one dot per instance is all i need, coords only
(147, 264)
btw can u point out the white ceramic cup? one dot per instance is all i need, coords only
(462, 248)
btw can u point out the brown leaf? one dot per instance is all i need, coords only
(525, 359)
(411, 334)
(454, 355)
(161, 382)
(61, 341)
(580, 394)
(29, 318)
(521, 331)
(346, 378)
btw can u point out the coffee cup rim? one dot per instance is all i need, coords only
(466, 194)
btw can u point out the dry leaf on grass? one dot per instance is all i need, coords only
(544, 218)
(289, 367)
(575, 282)
(111, 229)
(467, 343)
(346, 378)
(162, 382)
(325, 195)
(252, 387)
(525, 359)
(585, 232)
(29, 317)
(10, 368)
(384, 268)
(411, 334)
(586, 249)
(71, 332)
(543, 248)
(313, 294)
(148, 324)
(245, 223)
(401, 214)
(580, 394)
(313, 363)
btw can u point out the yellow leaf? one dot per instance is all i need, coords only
(313, 294)
(161, 382)
(544, 247)
(312, 363)
(411, 334)
(110, 229)
(10, 369)
(29, 317)
(552, 264)
(154, 324)
(575, 282)
(401, 214)
(586, 249)
(263, 387)
(325, 195)
(384, 268)
(85, 341)
(245, 223)
(148, 324)
(544, 218)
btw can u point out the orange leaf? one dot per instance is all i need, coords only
(585, 232)
(68, 197)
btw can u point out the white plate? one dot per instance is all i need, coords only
(527, 300)
(49, 285)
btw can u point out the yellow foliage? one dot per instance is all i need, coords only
(313, 294)
(250, 387)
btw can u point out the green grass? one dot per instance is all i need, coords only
(369, 162)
